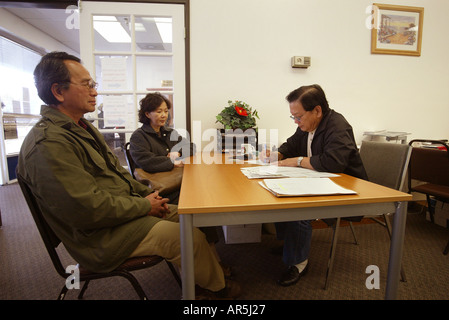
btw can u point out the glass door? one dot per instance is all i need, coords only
(132, 49)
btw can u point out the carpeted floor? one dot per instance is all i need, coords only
(27, 272)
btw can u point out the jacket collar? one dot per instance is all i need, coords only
(323, 124)
(61, 120)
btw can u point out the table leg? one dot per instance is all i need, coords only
(396, 249)
(187, 265)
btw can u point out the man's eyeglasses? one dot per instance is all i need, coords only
(90, 85)
(296, 118)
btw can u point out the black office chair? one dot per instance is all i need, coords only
(385, 164)
(132, 165)
(430, 166)
(51, 242)
(129, 159)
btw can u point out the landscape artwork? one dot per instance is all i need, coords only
(397, 30)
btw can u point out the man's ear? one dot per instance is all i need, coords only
(57, 92)
(319, 111)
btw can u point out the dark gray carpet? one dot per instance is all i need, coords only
(27, 272)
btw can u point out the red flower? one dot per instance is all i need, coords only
(241, 111)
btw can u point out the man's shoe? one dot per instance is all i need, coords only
(291, 276)
(229, 292)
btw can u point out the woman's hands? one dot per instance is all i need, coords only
(173, 156)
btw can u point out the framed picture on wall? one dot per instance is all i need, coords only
(397, 29)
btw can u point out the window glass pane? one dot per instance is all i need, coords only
(116, 111)
(17, 90)
(18, 93)
(153, 34)
(114, 73)
(15, 129)
(112, 33)
(154, 73)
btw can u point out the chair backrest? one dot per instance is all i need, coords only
(385, 163)
(428, 164)
(129, 159)
(51, 241)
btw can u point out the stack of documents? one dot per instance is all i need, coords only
(266, 172)
(290, 187)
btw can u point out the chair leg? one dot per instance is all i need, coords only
(63, 293)
(388, 226)
(332, 253)
(83, 289)
(126, 275)
(353, 233)
(135, 284)
(175, 273)
(446, 250)
(430, 208)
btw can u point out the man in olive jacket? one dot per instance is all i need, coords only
(101, 214)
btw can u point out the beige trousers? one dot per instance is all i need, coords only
(164, 240)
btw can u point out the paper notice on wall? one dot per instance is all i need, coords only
(114, 108)
(113, 73)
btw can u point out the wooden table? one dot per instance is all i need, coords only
(214, 192)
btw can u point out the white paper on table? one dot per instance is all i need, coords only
(271, 171)
(288, 187)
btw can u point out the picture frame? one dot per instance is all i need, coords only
(397, 30)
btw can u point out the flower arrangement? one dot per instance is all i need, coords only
(237, 115)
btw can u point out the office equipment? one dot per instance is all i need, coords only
(385, 164)
(235, 199)
(430, 166)
(51, 242)
(387, 135)
(231, 140)
(300, 62)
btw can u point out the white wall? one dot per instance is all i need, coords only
(241, 49)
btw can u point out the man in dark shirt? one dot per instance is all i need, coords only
(324, 141)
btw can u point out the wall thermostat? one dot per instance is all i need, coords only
(300, 62)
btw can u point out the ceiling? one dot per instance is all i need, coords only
(51, 22)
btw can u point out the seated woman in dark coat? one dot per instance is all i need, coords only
(155, 147)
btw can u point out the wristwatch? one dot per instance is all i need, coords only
(299, 161)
